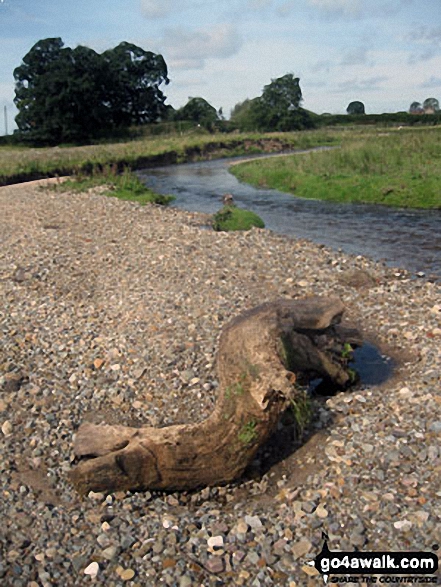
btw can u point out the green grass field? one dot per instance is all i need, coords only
(22, 163)
(399, 168)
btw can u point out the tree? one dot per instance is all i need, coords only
(65, 94)
(355, 108)
(416, 108)
(198, 110)
(133, 87)
(278, 108)
(431, 104)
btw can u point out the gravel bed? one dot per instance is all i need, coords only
(111, 312)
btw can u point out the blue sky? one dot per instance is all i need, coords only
(386, 53)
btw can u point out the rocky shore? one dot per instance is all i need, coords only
(111, 312)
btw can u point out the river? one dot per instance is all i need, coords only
(410, 239)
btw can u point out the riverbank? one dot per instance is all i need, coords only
(396, 168)
(19, 164)
(112, 312)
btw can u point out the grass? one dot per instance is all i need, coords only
(19, 163)
(231, 218)
(124, 186)
(400, 168)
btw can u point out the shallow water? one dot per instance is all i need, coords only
(410, 239)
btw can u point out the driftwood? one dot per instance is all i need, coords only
(260, 354)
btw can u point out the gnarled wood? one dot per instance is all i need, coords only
(259, 354)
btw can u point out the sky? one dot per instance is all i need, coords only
(385, 53)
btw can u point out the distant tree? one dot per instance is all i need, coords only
(280, 104)
(245, 114)
(65, 94)
(198, 110)
(431, 104)
(278, 108)
(355, 107)
(416, 108)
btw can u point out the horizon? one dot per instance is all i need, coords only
(386, 55)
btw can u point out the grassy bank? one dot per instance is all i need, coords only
(23, 164)
(124, 186)
(401, 168)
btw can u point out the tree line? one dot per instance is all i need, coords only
(70, 95)
(73, 95)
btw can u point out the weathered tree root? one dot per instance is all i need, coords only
(259, 355)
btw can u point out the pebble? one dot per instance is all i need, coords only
(92, 569)
(215, 565)
(215, 542)
(7, 428)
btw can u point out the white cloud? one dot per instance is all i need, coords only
(366, 85)
(188, 49)
(156, 8)
(349, 7)
(432, 82)
(355, 56)
(259, 4)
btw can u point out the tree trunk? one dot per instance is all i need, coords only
(260, 354)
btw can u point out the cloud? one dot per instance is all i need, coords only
(367, 85)
(259, 4)
(357, 8)
(349, 7)
(426, 34)
(432, 82)
(156, 8)
(323, 65)
(355, 56)
(188, 49)
(429, 39)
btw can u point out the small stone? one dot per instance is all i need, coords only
(321, 512)
(308, 507)
(253, 557)
(403, 525)
(238, 556)
(254, 522)
(168, 563)
(310, 570)
(215, 564)
(110, 552)
(92, 569)
(98, 363)
(301, 548)
(96, 496)
(215, 542)
(434, 427)
(185, 581)
(13, 382)
(127, 574)
(242, 527)
(7, 428)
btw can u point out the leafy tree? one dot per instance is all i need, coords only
(431, 104)
(133, 87)
(416, 108)
(278, 108)
(198, 110)
(246, 114)
(355, 107)
(65, 94)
